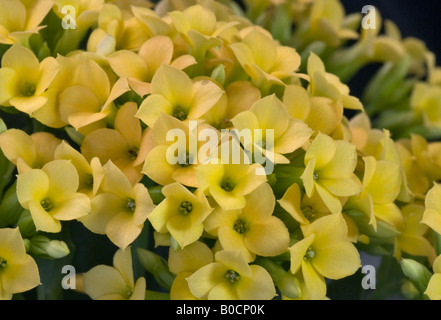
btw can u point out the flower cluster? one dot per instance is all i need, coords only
(90, 107)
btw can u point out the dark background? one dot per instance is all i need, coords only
(414, 18)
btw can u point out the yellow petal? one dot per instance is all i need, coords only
(322, 149)
(128, 64)
(102, 280)
(268, 238)
(17, 144)
(314, 282)
(122, 230)
(190, 258)
(258, 287)
(434, 288)
(298, 251)
(337, 261)
(156, 166)
(42, 219)
(205, 279)
(63, 179)
(22, 276)
(291, 203)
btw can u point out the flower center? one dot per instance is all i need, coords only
(185, 208)
(133, 153)
(240, 226)
(131, 204)
(232, 276)
(47, 204)
(185, 162)
(3, 262)
(315, 176)
(227, 185)
(309, 254)
(309, 213)
(28, 89)
(180, 113)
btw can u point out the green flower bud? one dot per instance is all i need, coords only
(10, 208)
(44, 247)
(26, 224)
(417, 273)
(157, 266)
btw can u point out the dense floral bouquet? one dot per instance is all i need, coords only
(201, 149)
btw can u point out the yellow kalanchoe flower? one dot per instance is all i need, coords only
(120, 209)
(88, 99)
(20, 19)
(90, 174)
(116, 32)
(263, 59)
(325, 252)
(159, 164)
(28, 151)
(199, 28)
(18, 270)
(252, 230)
(269, 113)
(325, 84)
(139, 68)
(126, 145)
(115, 283)
(433, 290)
(231, 278)
(24, 80)
(228, 183)
(183, 263)
(50, 194)
(329, 171)
(181, 213)
(381, 187)
(174, 93)
(432, 214)
(412, 238)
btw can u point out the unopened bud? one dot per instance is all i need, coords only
(26, 224)
(417, 273)
(44, 247)
(157, 266)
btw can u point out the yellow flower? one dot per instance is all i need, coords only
(426, 102)
(24, 80)
(88, 99)
(433, 290)
(432, 214)
(20, 19)
(116, 32)
(18, 271)
(181, 213)
(120, 209)
(199, 28)
(326, 22)
(86, 11)
(252, 230)
(175, 94)
(269, 115)
(231, 278)
(381, 187)
(325, 252)
(328, 85)
(160, 163)
(263, 59)
(115, 283)
(126, 145)
(329, 171)
(183, 263)
(228, 183)
(139, 68)
(50, 194)
(302, 208)
(90, 174)
(412, 238)
(28, 151)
